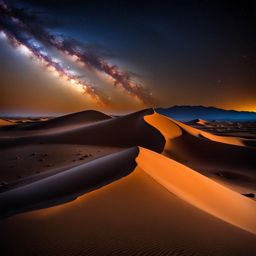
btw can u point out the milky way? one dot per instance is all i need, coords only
(23, 30)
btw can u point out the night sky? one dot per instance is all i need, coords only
(119, 56)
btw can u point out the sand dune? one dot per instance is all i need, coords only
(238, 133)
(201, 122)
(21, 164)
(197, 121)
(199, 191)
(141, 184)
(232, 164)
(133, 216)
(4, 122)
(62, 122)
(222, 139)
(124, 131)
(68, 184)
(74, 119)
(196, 132)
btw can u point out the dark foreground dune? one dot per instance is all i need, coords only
(158, 187)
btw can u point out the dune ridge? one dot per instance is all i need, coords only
(227, 163)
(153, 192)
(191, 130)
(73, 119)
(198, 190)
(69, 184)
(222, 139)
(125, 131)
(133, 216)
(54, 125)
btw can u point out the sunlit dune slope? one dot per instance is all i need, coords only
(198, 190)
(198, 122)
(157, 202)
(232, 164)
(132, 216)
(157, 121)
(201, 122)
(222, 139)
(4, 123)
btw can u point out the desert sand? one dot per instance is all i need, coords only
(140, 184)
(4, 122)
(221, 158)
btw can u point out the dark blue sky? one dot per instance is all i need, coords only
(184, 52)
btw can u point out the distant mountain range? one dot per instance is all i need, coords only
(187, 113)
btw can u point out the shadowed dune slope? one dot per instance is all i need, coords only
(74, 119)
(199, 191)
(125, 131)
(69, 184)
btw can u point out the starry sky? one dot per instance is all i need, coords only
(120, 56)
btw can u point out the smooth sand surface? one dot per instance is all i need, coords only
(125, 131)
(244, 131)
(132, 216)
(4, 122)
(199, 190)
(225, 162)
(73, 120)
(216, 138)
(139, 187)
(18, 164)
(67, 185)
(53, 125)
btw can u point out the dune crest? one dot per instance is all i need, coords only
(165, 125)
(69, 184)
(222, 139)
(214, 156)
(197, 121)
(201, 122)
(199, 190)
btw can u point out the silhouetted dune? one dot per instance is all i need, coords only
(74, 119)
(125, 131)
